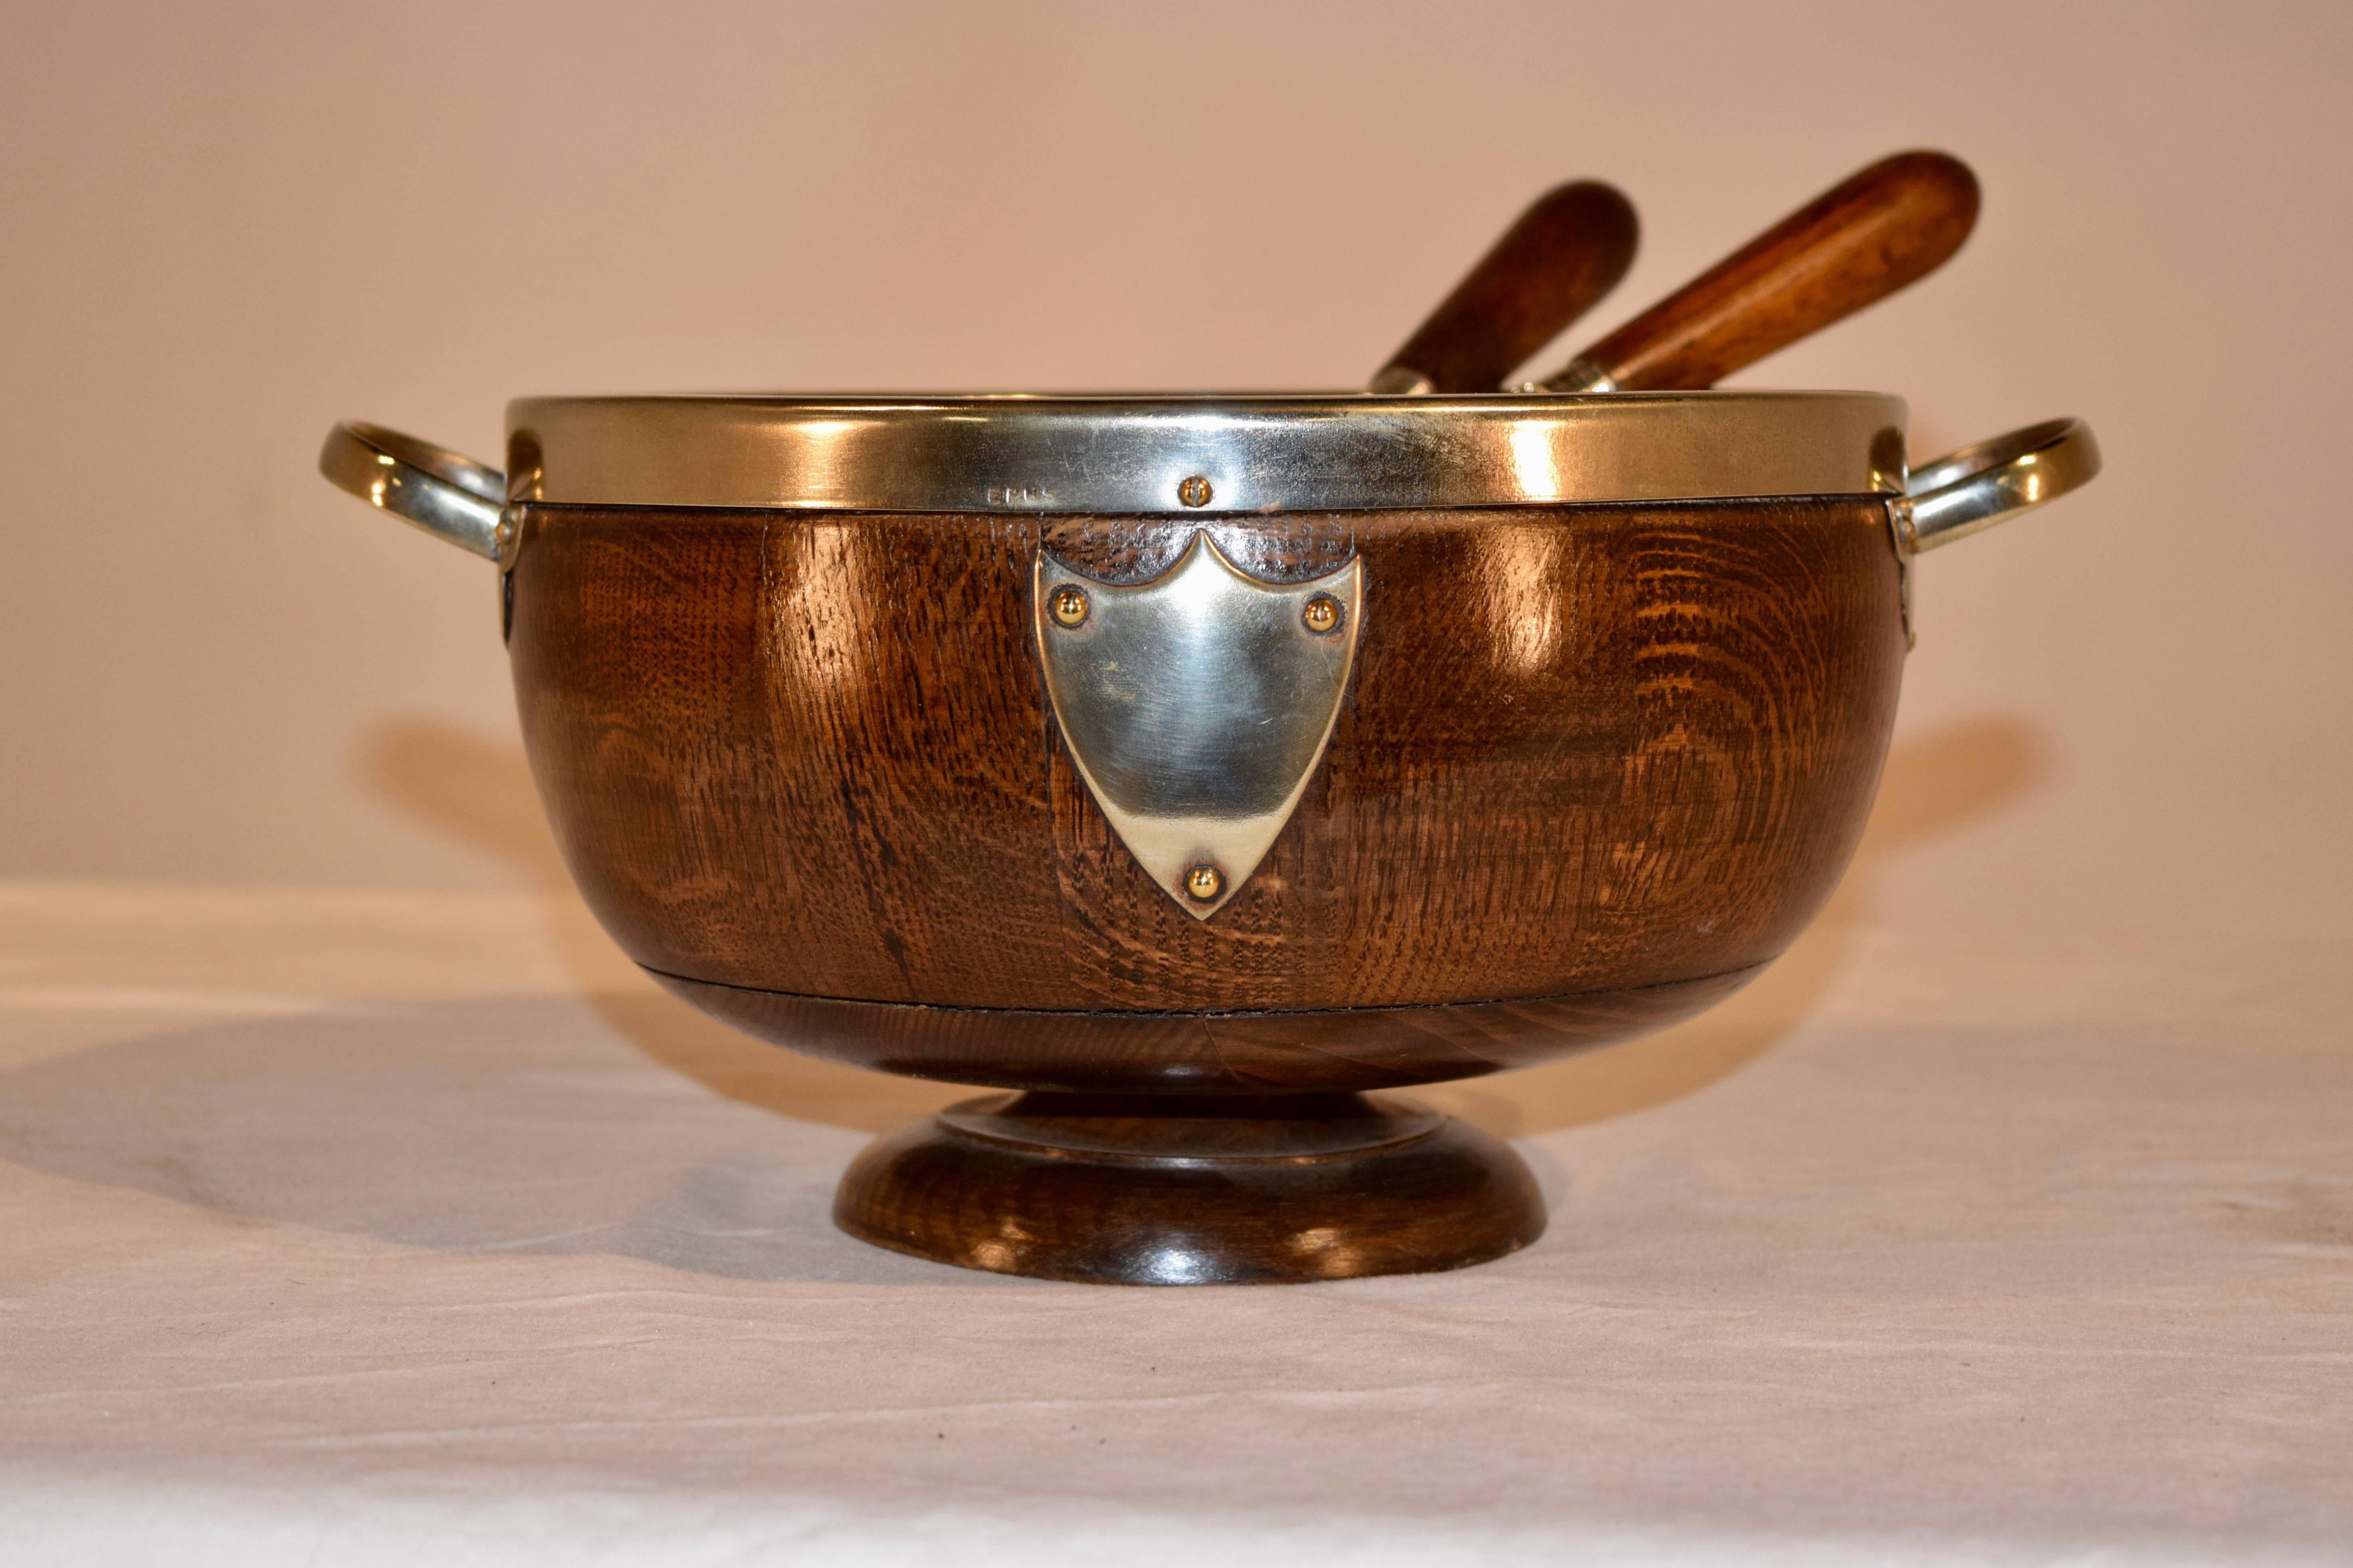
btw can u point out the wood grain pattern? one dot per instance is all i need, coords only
(1554, 264)
(1597, 765)
(1858, 242)
(1166, 1192)
(1587, 750)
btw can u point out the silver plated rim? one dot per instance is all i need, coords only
(1200, 454)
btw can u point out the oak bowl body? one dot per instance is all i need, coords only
(1597, 765)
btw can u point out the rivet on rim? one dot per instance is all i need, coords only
(1202, 883)
(1321, 613)
(1194, 491)
(1068, 606)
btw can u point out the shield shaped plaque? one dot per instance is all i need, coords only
(1196, 705)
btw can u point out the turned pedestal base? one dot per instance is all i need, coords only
(1172, 1190)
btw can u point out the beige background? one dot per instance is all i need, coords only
(228, 227)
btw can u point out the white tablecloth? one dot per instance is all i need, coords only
(364, 1229)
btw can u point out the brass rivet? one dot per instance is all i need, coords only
(1202, 883)
(1322, 613)
(1194, 491)
(1067, 604)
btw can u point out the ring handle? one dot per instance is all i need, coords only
(449, 496)
(1973, 489)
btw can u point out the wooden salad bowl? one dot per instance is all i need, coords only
(1195, 771)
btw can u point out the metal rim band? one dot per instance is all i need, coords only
(1201, 454)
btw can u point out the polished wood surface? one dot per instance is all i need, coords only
(1868, 236)
(1596, 767)
(1585, 750)
(1165, 1191)
(1551, 265)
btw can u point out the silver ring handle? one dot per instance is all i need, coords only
(447, 496)
(1973, 489)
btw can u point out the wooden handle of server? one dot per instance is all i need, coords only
(1889, 226)
(1564, 253)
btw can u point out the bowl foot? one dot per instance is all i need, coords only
(1175, 1190)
